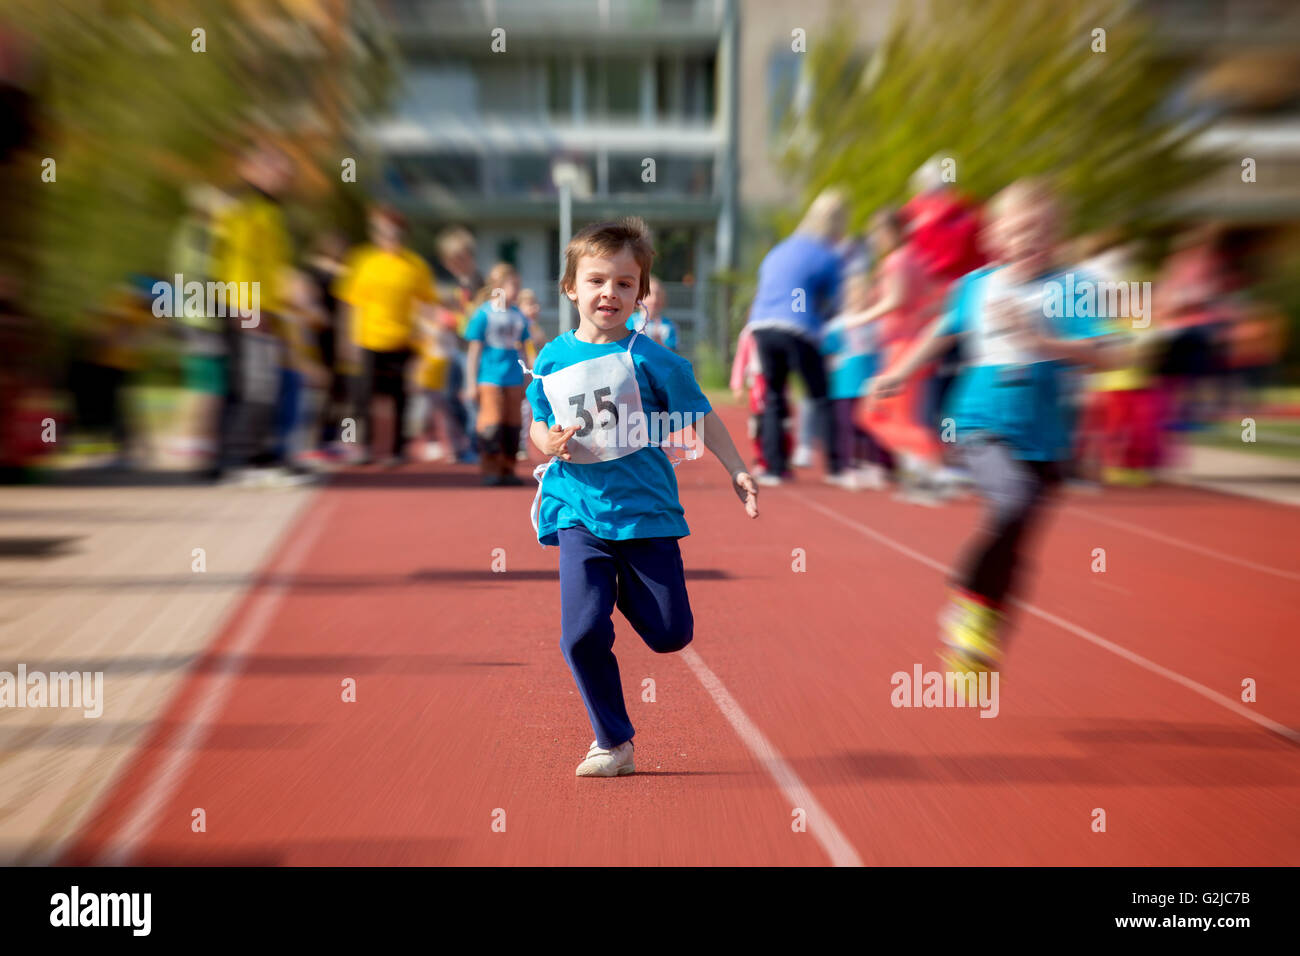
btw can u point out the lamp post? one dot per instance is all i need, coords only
(565, 175)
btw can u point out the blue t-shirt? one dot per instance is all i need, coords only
(1001, 390)
(630, 497)
(499, 332)
(798, 285)
(663, 331)
(850, 356)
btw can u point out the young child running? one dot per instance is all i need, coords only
(496, 334)
(1010, 407)
(531, 307)
(608, 496)
(849, 347)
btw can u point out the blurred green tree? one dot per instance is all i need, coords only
(133, 112)
(1005, 88)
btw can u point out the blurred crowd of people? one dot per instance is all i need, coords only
(359, 355)
(842, 310)
(353, 356)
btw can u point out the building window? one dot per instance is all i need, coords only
(613, 88)
(508, 251)
(559, 88)
(783, 70)
(699, 92)
(508, 87)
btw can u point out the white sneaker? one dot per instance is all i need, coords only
(281, 477)
(802, 457)
(769, 480)
(872, 477)
(607, 763)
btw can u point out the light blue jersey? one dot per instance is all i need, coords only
(634, 496)
(1002, 389)
(850, 357)
(499, 331)
(661, 330)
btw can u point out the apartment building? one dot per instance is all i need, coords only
(635, 95)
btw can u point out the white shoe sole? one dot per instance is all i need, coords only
(606, 765)
(622, 771)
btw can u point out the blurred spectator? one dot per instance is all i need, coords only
(798, 287)
(204, 334)
(437, 344)
(901, 423)
(848, 343)
(656, 326)
(253, 249)
(1120, 438)
(111, 349)
(1192, 291)
(384, 286)
(324, 265)
(458, 255)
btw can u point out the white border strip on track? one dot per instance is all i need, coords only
(820, 824)
(1222, 699)
(1180, 543)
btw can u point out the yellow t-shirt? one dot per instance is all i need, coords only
(433, 372)
(252, 245)
(382, 288)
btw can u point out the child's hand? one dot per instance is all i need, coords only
(747, 491)
(556, 440)
(883, 386)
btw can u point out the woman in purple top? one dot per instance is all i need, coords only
(798, 284)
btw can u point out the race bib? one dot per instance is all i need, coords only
(601, 397)
(503, 328)
(1006, 314)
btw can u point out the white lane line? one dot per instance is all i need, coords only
(820, 824)
(143, 817)
(1188, 545)
(1235, 706)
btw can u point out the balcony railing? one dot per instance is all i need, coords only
(565, 14)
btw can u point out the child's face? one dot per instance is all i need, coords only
(385, 233)
(654, 300)
(510, 286)
(1022, 229)
(531, 308)
(605, 290)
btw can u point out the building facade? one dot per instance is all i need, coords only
(635, 94)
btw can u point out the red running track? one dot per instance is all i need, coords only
(1121, 692)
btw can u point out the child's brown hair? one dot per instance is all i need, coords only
(496, 277)
(607, 239)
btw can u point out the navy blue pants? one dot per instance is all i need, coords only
(644, 577)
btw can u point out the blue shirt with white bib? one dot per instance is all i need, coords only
(499, 331)
(1003, 390)
(634, 496)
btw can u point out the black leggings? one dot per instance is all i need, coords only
(382, 373)
(779, 352)
(1015, 492)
